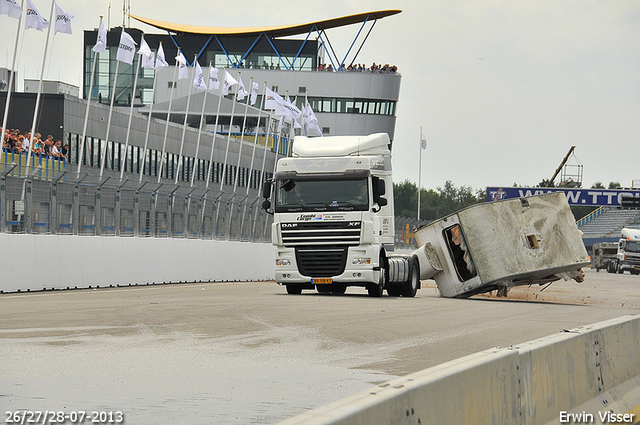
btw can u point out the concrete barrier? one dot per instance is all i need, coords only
(592, 372)
(37, 262)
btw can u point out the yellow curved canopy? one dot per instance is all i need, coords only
(271, 31)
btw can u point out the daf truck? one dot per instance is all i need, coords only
(333, 226)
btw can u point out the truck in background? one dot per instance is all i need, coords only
(628, 255)
(604, 256)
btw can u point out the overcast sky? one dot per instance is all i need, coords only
(501, 88)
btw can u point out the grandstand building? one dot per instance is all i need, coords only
(133, 191)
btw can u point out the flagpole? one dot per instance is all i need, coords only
(146, 135)
(202, 119)
(86, 114)
(420, 173)
(264, 231)
(11, 77)
(226, 153)
(35, 113)
(235, 183)
(215, 134)
(184, 125)
(244, 122)
(166, 124)
(133, 101)
(253, 155)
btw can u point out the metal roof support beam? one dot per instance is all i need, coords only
(224, 50)
(177, 47)
(204, 47)
(325, 48)
(278, 53)
(251, 48)
(354, 40)
(365, 40)
(304, 43)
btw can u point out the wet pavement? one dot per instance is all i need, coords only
(248, 353)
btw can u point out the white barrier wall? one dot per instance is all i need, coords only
(593, 370)
(36, 262)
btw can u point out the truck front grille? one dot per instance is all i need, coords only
(321, 261)
(321, 233)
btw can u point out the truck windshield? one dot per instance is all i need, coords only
(322, 195)
(632, 246)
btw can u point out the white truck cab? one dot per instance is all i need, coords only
(332, 202)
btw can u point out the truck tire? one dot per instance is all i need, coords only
(375, 290)
(394, 290)
(294, 289)
(410, 287)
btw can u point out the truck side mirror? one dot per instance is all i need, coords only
(266, 189)
(381, 189)
(266, 204)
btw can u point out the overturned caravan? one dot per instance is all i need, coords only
(502, 244)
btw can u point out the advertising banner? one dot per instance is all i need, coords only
(575, 196)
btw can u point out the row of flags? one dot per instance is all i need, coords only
(282, 107)
(33, 19)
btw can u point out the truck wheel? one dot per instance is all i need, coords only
(338, 289)
(410, 287)
(375, 290)
(394, 290)
(294, 290)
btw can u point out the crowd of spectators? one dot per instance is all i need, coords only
(376, 69)
(16, 142)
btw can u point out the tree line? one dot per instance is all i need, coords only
(448, 199)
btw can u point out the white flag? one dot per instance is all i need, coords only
(126, 49)
(311, 121)
(423, 141)
(147, 54)
(161, 62)
(254, 93)
(228, 82)
(101, 42)
(10, 8)
(183, 71)
(242, 92)
(198, 79)
(214, 83)
(34, 20)
(63, 21)
(273, 100)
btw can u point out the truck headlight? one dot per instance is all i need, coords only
(361, 261)
(282, 262)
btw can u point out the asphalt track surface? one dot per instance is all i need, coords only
(222, 353)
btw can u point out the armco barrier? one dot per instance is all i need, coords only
(588, 371)
(37, 262)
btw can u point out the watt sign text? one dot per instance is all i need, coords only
(601, 197)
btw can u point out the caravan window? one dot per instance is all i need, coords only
(459, 252)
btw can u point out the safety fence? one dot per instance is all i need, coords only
(39, 201)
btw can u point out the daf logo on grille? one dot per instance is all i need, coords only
(289, 225)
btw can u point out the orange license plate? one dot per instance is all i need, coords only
(316, 281)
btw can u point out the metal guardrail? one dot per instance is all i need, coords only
(54, 202)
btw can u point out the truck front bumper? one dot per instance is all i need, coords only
(287, 271)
